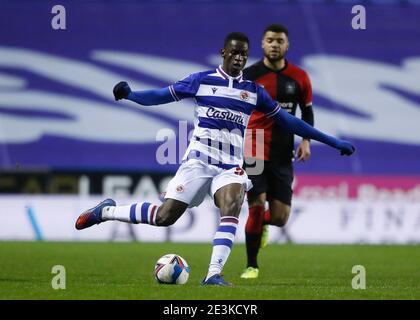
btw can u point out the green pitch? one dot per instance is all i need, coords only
(125, 271)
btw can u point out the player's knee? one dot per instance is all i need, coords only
(280, 219)
(256, 201)
(233, 209)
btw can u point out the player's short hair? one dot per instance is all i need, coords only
(236, 36)
(277, 28)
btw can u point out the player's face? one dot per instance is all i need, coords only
(235, 55)
(275, 45)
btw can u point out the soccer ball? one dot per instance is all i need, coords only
(172, 269)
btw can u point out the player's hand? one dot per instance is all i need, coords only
(121, 90)
(303, 151)
(346, 148)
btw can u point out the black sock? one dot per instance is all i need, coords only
(253, 242)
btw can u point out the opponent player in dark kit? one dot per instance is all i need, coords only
(291, 87)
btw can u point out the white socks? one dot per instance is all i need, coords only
(222, 244)
(142, 212)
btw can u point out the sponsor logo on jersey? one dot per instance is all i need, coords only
(225, 115)
(214, 90)
(288, 106)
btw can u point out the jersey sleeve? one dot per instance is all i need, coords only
(305, 103)
(265, 103)
(306, 96)
(186, 88)
(151, 97)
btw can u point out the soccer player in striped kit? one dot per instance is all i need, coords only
(213, 161)
(291, 87)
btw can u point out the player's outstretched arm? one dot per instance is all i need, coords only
(146, 98)
(301, 128)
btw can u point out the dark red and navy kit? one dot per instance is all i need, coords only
(291, 87)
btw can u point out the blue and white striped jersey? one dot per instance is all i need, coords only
(223, 107)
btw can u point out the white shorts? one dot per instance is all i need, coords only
(195, 179)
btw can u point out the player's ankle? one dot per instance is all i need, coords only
(108, 213)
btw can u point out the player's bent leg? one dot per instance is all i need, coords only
(279, 213)
(253, 230)
(147, 213)
(229, 200)
(188, 177)
(256, 200)
(170, 211)
(142, 212)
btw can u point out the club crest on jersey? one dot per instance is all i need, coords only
(244, 95)
(290, 88)
(180, 188)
